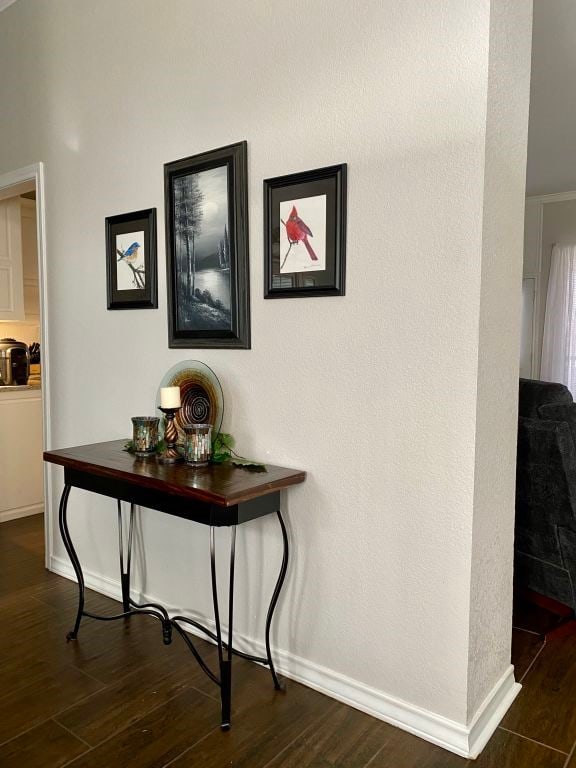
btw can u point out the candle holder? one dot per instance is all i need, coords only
(145, 435)
(170, 454)
(198, 445)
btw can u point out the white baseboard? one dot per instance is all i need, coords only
(15, 514)
(465, 740)
(492, 711)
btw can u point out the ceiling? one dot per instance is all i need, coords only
(552, 127)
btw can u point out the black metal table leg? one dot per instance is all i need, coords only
(65, 533)
(225, 663)
(225, 648)
(125, 572)
(275, 596)
(127, 602)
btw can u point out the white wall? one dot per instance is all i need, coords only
(500, 308)
(380, 585)
(551, 146)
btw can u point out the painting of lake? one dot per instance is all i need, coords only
(201, 227)
(217, 282)
(206, 205)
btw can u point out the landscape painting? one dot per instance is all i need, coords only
(207, 249)
(202, 244)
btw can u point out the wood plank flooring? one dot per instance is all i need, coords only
(118, 698)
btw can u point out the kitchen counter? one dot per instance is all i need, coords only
(19, 387)
(21, 473)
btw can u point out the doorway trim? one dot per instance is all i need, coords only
(11, 184)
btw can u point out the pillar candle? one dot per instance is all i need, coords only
(170, 397)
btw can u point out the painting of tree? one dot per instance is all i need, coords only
(207, 249)
(188, 213)
(201, 216)
(224, 251)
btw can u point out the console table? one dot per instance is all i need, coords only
(217, 495)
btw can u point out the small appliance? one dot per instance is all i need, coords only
(14, 362)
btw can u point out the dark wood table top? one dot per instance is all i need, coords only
(222, 484)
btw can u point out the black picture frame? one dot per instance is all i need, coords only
(290, 202)
(131, 265)
(207, 263)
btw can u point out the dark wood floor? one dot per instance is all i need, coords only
(117, 698)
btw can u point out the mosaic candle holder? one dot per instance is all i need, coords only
(198, 446)
(145, 435)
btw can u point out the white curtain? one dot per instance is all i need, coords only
(559, 342)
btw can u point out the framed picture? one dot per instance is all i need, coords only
(206, 200)
(131, 260)
(305, 234)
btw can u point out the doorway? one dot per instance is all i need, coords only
(25, 418)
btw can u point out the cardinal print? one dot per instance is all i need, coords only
(303, 235)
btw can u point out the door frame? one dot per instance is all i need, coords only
(12, 184)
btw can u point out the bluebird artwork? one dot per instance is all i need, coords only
(130, 254)
(130, 269)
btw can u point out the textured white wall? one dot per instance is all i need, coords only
(500, 308)
(552, 128)
(373, 394)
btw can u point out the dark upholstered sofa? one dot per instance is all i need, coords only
(545, 537)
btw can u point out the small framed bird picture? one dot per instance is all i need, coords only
(131, 260)
(305, 234)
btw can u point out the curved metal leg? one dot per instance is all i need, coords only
(127, 602)
(275, 596)
(65, 533)
(224, 663)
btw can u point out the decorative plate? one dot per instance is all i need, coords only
(201, 395)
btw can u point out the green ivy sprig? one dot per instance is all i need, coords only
(223, 450)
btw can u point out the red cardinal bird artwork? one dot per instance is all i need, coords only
(297, 231)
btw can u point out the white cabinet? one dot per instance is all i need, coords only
(30, 260)
(11, 272)
(21, 467)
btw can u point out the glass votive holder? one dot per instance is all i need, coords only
(198, 444)
(145, 435)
